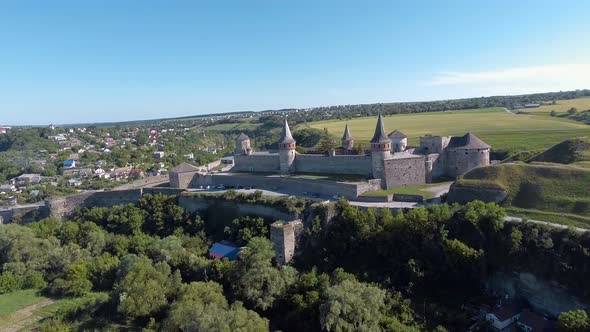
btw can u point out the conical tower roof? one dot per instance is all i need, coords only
(346, 136)
(286, 136)
(467, 142)
(380, 135)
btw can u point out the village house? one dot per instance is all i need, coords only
(74, 182)
(224, 249)
(159, 154)
(502, 316)
(25, 180)
(69, 163)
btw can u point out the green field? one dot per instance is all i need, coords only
(560, 107)
(500, 129)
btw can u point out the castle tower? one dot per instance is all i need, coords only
(243, 145)
(399, 141)
(380, 149)
(287, 146)
(347, 141)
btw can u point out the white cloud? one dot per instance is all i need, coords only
(519, 79)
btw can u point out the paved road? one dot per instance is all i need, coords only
(508, 111)
(518, 219)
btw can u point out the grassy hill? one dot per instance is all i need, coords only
(567, 152)
(554, 188)
(502, 130)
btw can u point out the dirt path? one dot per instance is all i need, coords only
(23, 317)
(440, 190)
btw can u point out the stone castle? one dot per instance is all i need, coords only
(389, 159)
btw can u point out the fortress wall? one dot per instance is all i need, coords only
(162, 190)
(256, 163)
(462, 161)
(23, 214)
(114, 197)
(404, 172)
(62, 207)
(341, 164)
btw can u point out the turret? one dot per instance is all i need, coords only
(287, 147)
(399, 141)
(347, 141)
(243, 145)
(380, 149)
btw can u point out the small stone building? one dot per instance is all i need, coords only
(182, 175)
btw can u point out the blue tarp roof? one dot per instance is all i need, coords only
(68, 162)
(219, 250)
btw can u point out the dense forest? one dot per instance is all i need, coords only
(145, 266)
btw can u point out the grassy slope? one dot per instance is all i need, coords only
(544, 187)
(566, 152)
(495, 126)
(14, 301)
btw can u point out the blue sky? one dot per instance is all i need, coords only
(85, 61)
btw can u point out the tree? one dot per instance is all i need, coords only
(143, 289)
(572, 111)
(573, 321)
(258, 282)
(75, 281)
(243, 229)
(201, 306)
(163, 215)
(327, 142)
(103, 271)
(352, 306)
(553, 113)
